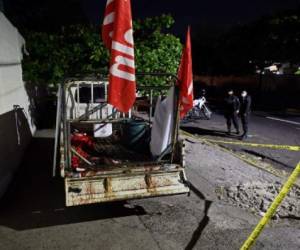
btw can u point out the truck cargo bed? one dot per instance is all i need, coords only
(104, 153)
(114, 151)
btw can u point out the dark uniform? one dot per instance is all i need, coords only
(232, 106)
(244, 112)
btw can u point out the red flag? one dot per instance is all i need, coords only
(185, 78)
(108, 23)
(117, 36)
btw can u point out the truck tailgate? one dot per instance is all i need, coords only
(124, 186)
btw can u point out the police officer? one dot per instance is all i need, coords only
(245, 109)
(232, 106)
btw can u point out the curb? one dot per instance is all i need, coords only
(270, 170)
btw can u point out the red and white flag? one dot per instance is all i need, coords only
(117, 35)
(185, 78)
(108, 23)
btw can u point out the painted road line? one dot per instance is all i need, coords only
(272, 209)
(282, 120)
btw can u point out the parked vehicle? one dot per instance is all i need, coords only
(104, 154)
(199, 111)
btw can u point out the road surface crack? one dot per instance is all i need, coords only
(151, 232)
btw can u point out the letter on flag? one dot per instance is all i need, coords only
(117, 35)
(185, 78)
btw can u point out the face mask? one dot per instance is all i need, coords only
(244, 94)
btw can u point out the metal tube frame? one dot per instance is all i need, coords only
(67, 122)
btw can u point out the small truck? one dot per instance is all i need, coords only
(104, 154)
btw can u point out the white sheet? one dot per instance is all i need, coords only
(163, 124)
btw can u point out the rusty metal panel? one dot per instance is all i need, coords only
(123, 187)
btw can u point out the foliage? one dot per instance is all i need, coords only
(155, 50)
(78, 48)
(52, 56)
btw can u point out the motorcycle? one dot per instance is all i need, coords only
(199, 110)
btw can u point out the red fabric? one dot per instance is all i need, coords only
(118, 23)
(108, 23)
(79, 141)
(185, 78)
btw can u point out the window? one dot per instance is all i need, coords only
(85, 94)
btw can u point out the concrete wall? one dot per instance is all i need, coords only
(15, 124)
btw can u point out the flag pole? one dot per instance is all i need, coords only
(177, 120)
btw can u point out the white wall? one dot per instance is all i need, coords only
(11, 42)
(12, 90)
(16, 128)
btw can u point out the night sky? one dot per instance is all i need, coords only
(212, 23)
(218, 13)
(200, 14)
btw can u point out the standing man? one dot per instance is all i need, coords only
(232, 106)
(244, 112)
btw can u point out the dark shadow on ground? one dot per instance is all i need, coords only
(203, 131)
(203, 223)
(268, 158)
(188, 120)
(36, 200)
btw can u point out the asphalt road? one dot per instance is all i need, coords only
(33, 214)
(264, 128)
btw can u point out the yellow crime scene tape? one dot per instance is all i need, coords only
(271, 146)
(276, 172)
(275, 204)
(272, 209)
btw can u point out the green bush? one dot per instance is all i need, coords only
(79, 48)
